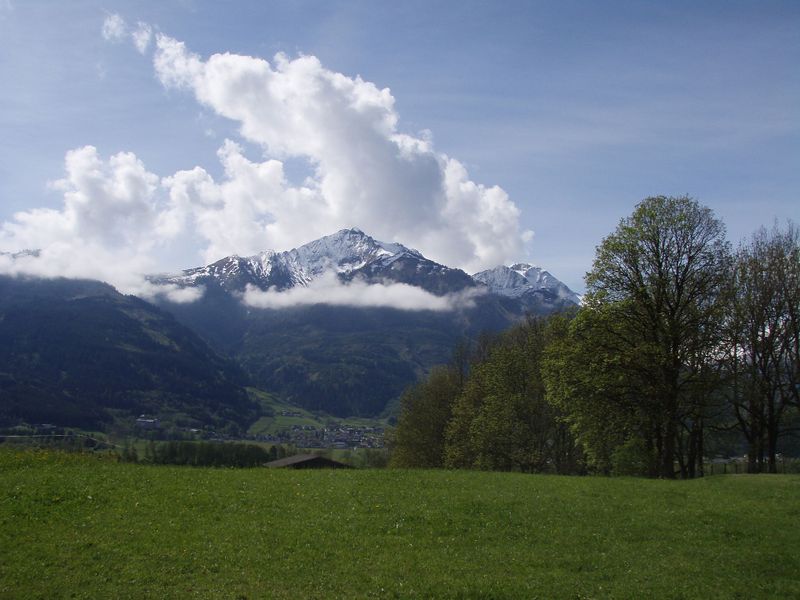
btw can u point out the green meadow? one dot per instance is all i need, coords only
(274, 421)
(78, 526)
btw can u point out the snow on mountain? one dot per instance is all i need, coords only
(227, 270)
(522, 279)
(351, 253)
(344, 252)
(348, 249)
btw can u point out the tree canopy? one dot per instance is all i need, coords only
(677, 337)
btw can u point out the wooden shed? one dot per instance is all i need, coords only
(306, 461)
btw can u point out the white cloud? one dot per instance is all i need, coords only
(328, 289)
(251, 209)
(114, 28)
(181, 295)
(142, 36)
(118, 219)
(103, 230)
(366, 172)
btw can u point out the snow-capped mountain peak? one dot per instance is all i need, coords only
(346, 252)
(522, 279)
(351, 253)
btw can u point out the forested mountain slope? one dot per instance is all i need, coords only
(77, 353)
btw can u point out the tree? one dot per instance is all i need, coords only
(763, 339)
(502, 421)
(598, 387)
(653, 318)
(425, 410)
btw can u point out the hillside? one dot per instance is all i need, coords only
(153, 532)
(77, 353)
(342, 360)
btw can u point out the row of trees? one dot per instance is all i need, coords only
(678, 336)
(487, 409)
(204, 454)
(763, 358)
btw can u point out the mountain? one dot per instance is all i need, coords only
(78, 353)
(530, 284)
(350, 253)
(353, 255)
(346, 360)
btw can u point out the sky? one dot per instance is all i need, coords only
(143, 137)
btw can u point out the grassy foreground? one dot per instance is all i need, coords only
(81, 527)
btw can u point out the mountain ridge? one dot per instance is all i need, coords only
(352, 254)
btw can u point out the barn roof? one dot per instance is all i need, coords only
(306, 461)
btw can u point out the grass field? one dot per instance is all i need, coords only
(76, 526)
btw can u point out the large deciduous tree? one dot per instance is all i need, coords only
(650, 324)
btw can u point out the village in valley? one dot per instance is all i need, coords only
(334, 435)
(287, 427)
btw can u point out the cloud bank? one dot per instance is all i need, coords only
(328, 289)
(118, 219)
(103, 231)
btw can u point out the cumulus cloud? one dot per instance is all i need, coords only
(367, 172)
(252, 208)
(103, 230)
(328, 289)
(118, 219)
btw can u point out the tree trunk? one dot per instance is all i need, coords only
(691, 459)
(653, 445)
(772, 448)
(772, 432)
(700, 449)
(752, 456)
(668, 453)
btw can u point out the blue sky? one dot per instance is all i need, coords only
(577, 110)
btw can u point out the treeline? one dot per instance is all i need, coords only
(488, 409)
(204, 454)
(679, 337)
